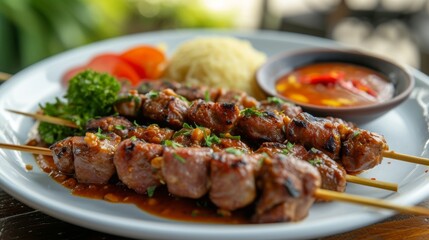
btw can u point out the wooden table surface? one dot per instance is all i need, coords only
(20, 222)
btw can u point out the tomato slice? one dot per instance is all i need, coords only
(108, 63)
(148, 61)
(114, 65)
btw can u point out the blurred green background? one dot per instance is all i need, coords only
(31, 30)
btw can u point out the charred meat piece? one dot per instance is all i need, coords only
(232, 180)
(333, 175)
(225, 142)
(288, 185)
(133, 162)
(165, 107)
(62, 152)
(239, 98)
(219, 117)
(258, 127)
(157, 86)
(362, 150)
(319, 133)
(151, 134)
(186, 171)
(192, 93)
(129, 105)
(116, 124)
(273, 148)
(277, 104)
(93, 157)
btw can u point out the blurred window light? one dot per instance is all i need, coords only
(402, 5)
(362, 4)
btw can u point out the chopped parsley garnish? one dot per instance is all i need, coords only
(136, 123)
(171, 143)
(210, 139)
(152, 94)
(316, 162)
(275, 100)
(251, 112)
(179, 158)
(150, 191)
(229, 136)
(314, 150)
(133, 138)
(183, 99)
(356, 133)
(288, 149)
(234, 151)
(89, 94)
(100, 135)
(207, 96)
(120, 127)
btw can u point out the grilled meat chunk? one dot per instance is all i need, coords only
(117, 124)
(258, 127)
(232, 180)
(133, 162)
(288, 185)
(129, 105)
(230, 143)
(319, 133)
(333, 175)
(165, 107)
(186, 171)
(151, 134)
(93, 157)
(219, 117)
(157, 86)
(239, 98)
(362, 150)
(62, 152)
(276, 104)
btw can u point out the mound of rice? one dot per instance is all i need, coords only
(217, 62)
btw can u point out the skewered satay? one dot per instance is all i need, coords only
(357, 149)
(190, 136)
(338, 140)
(288, 185)
(154, 134)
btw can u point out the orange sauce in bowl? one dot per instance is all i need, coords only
(335, 84)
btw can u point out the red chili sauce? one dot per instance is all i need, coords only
(161, 203)
(335, 84)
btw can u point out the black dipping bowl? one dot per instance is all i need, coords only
(277, 66)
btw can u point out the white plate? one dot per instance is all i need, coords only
(404, 128)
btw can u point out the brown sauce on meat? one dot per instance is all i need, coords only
(335, 84)
(161, 204)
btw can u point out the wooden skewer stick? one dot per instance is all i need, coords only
(406, 158)
(4, 76)
(331, 195)
(320, 193)
(372, 183)
(26, 148)
(351, 178)
(46, 118)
